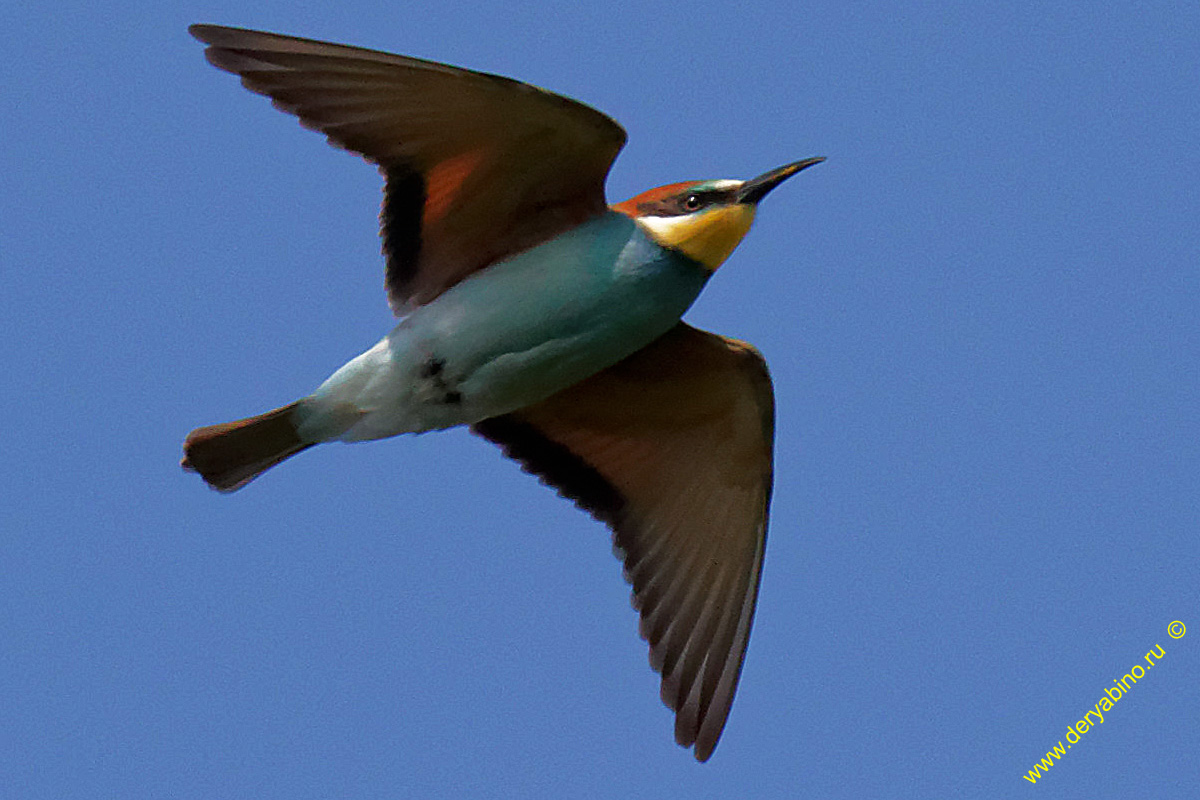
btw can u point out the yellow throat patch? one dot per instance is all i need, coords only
(707, 236)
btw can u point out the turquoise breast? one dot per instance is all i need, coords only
(551, 316)
(511, 335)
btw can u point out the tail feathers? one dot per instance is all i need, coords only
(231, 455)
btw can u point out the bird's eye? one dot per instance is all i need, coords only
(693, 201)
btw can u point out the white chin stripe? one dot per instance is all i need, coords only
(666, 230)
(707, 236)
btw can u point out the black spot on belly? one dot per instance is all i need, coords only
(432, 368)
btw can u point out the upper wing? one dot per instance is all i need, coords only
(672, 448)
(478, 166)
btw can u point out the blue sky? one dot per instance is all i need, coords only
(981, 318)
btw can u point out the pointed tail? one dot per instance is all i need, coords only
(231, 455)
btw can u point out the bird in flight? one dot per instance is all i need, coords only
(549, 322)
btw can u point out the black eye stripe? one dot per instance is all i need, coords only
(685, 203)
(703, 198)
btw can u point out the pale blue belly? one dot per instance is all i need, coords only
(513, 334)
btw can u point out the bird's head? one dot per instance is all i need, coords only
(705, 220)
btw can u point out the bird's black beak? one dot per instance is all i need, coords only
(754, 190)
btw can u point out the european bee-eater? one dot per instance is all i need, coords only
(549, 322)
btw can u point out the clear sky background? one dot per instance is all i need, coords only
(983, 319)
